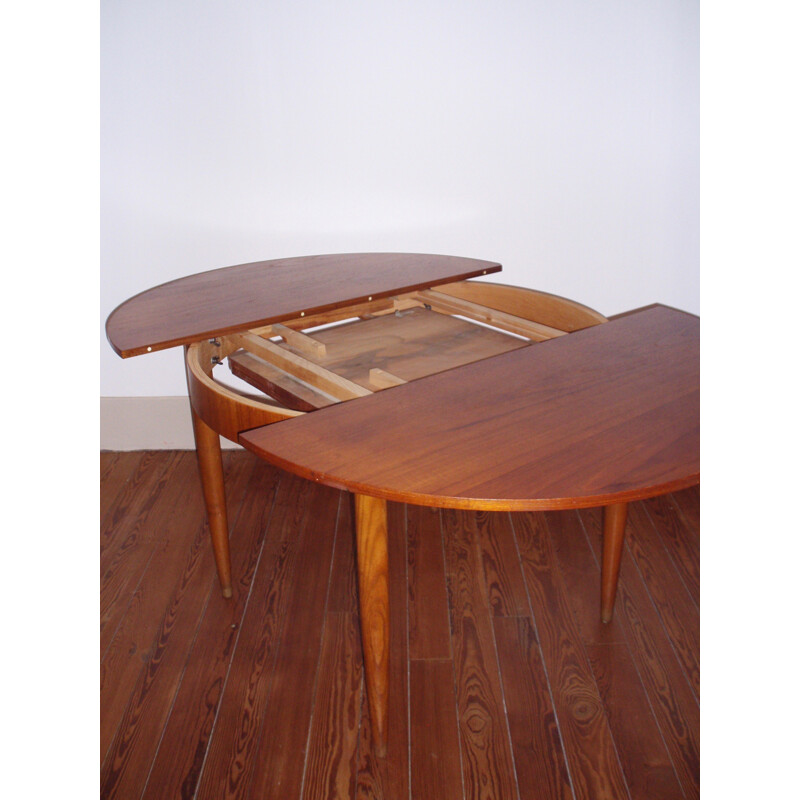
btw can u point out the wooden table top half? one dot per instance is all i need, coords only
(605, 415)
(221, 301)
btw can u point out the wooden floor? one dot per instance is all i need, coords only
(504, 683)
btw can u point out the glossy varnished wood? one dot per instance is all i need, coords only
(223, 410)
(522, 692)
(605, 415)
(230, 299)
(209, 459)
(615, 516)
(373, 590)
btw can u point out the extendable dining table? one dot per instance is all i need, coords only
(399, 377)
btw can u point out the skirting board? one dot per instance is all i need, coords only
(148, 423)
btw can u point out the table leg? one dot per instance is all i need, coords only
(614, 519)
(209, 457)
(373, 590)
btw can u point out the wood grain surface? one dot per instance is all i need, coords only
(595, 769)
(409, 345)
(262, 695)
(428, 611)
(230, 299)
(487, 761)
(607, 414)
(388, 778)
(641, 624)
(187, 734)
(150, 660)
(435, 751)
(539, 759)
(547, 309)
(230, 758)
(372, 555)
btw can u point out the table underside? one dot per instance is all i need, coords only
(308, 363)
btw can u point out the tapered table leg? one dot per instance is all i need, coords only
(614, 519)
(373, 590)
(209, 457)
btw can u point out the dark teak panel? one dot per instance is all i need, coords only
(220, 301)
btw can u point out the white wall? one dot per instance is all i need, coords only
(558, 137)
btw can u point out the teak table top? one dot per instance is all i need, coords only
(221, 301)
(608, 414)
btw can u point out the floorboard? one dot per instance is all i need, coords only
(536, 741)
(503, 682)
(435, 751)
(645, 760)
(486, 757)
(680, 539)
(280, 757)
(674, 603)
(592, 757)
(333, 741)
(115, 471)
(135, 744)
(188, 731)
(672, 698)
(231, 756)
(129, 532)
(428, 611)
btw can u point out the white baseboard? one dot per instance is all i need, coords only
(148, 423)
